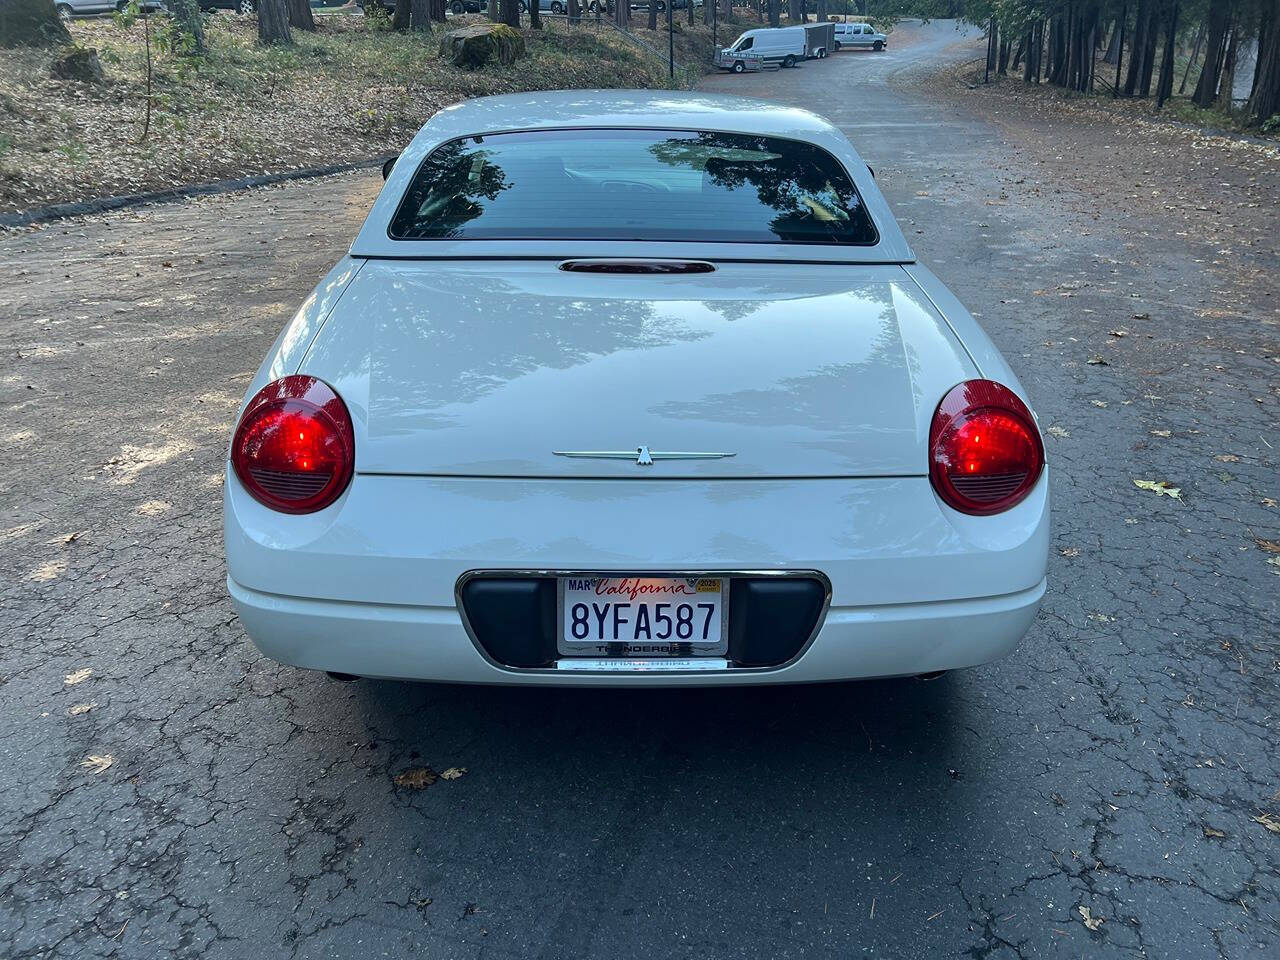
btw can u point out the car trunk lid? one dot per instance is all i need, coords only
(499, 368)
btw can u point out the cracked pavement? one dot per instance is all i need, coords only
(1120, 761)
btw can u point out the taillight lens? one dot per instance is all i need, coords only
(984, 448)
(294, 448)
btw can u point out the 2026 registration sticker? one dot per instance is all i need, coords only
(643, 616)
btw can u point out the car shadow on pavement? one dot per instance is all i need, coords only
(770, 728)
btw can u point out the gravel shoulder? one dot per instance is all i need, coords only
(1215, 192)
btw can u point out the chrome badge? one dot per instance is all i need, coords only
(642, 455)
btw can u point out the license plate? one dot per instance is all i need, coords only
(645, 617)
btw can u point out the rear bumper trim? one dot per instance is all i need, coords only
(431, 643)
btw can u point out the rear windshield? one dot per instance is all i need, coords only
(632, 185)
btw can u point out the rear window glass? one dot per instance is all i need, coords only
(632, 185)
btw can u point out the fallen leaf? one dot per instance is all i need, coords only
(80, 708)
(1275, 562)
(1118, 333)
(1160, 488)
(1268, 501)
(1059, 432)
(1268, 821)
(71, 679)
(418, 779)
(1101, 617)
(454, 773)
(1090, 921)
(1070, 551)
(1227, 458)
(1161, 433)
(1268, 545)
(1098, 403)
(98, 763)
(1098, 362)
(1213, 832)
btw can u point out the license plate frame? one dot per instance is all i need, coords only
(656, 649)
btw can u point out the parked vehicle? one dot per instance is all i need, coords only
(83, 8)
(781, 45)
(860, 35)
(458, 7)
(242, 7)
(820, 39)
(441, 469)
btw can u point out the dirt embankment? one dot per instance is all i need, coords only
(351, 91)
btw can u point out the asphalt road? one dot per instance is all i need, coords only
(1115, 763)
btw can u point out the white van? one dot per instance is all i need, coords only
(781, 45)
(859, 35)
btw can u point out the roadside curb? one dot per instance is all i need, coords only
(81, 208)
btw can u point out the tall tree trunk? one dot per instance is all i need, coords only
(1264, 102)
(535, 15)
(273, 22)
(399, 19)
(1214, 54)
(707, 7)
(822, 11)
(1137, 44)
(420, 15)
(1191, 60)
(653, 14)
(300, 14)
(1261, 45)
(1227, 85)
(1113, 44)
(510, 11)
(690, 11)
(775, 12)
(437, 10)
(186, 14)
(1164, 87)
(575, 11)
(31, 23)
(493, 10)
(621, 12)
(1149, 54)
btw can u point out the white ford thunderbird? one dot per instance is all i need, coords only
(634, 388)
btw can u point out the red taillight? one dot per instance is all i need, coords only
(294, 448)
(984, 448)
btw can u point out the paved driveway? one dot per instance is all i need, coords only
(1115, 763)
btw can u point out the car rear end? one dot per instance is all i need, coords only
(632, 470)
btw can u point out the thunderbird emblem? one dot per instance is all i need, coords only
(642, 455)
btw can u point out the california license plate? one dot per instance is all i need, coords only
(646, 617)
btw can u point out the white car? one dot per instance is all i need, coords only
(634, 388)
(859, 35)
